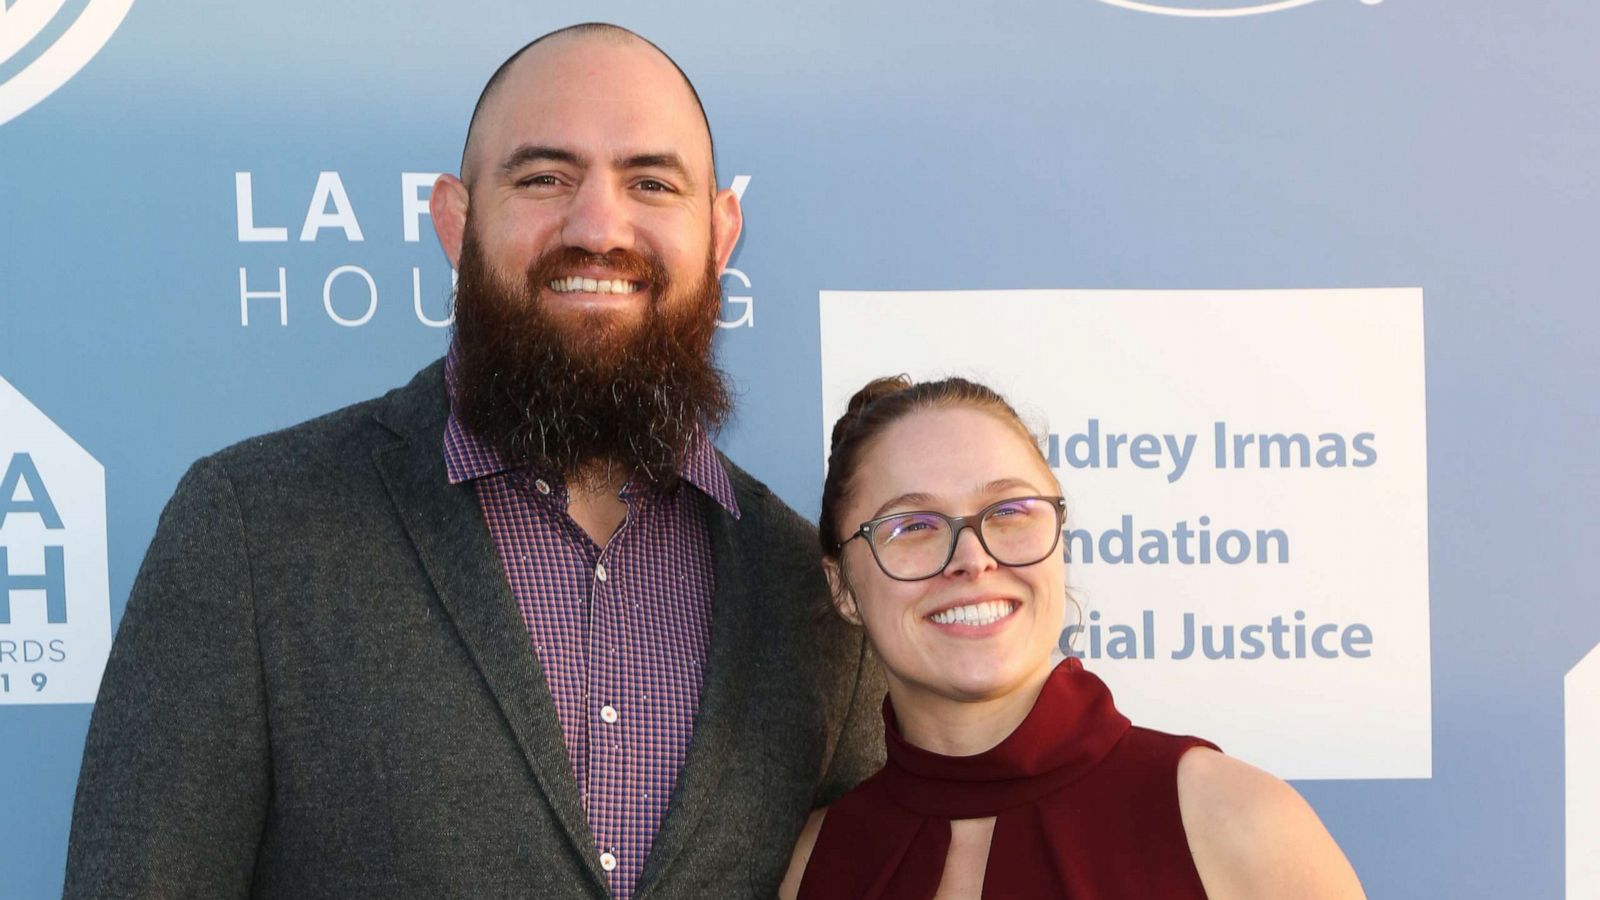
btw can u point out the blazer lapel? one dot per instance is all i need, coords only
(722, 721)
(446, 525)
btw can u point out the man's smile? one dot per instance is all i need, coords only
(575, 284)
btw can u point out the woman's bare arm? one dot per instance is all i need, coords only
(790, 888)
(1254, 836)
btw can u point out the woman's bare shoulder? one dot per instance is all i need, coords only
(1252, 835)
(790, 888)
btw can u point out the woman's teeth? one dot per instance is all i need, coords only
(593, 286)
(975, 613)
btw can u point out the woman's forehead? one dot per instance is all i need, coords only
(950, 454)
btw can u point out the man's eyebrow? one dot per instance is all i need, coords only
(671, 161)
(532, 153)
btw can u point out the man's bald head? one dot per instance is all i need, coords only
(589, 140)
(602, 32)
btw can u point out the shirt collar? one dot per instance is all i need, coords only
(466, 457)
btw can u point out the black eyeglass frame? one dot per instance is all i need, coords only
(957, 523)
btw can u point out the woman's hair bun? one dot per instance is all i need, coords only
(870, 393)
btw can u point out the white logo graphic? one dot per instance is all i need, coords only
(1214, 448)
(745, 302)
(1215, 11)
(1583, 776)
(23, 20)
(55, 609)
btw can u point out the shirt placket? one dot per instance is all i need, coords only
(611, 715)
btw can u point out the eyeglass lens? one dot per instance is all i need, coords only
(917, 545)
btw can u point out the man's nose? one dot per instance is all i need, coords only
(969, 557)
(597, 218)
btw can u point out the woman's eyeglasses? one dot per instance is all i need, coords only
(912, 546)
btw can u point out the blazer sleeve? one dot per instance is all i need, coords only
(175, 783)
(859, 750)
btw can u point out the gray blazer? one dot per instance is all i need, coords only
(322, 688)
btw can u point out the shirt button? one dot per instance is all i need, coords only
(609, 714)
(542, 486)
(608, 861)
(600, 571)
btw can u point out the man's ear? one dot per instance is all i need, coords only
(727, 221)
(447, 205)
(844, 599)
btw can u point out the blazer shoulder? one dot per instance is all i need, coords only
(762, 506)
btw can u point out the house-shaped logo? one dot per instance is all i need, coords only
(55, 609)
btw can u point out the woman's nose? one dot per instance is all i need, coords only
(969, 557)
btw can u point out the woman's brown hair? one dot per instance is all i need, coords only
(879, 404)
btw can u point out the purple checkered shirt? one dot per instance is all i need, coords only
(621, 630)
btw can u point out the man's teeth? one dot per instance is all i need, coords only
(593, 286)
(976, 613)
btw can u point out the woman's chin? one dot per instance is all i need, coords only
(981, 681)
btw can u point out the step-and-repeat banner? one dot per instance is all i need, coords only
(1297, 295)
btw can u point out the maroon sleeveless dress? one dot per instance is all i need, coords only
(1086, 806)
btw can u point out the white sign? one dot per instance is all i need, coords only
(55, 605)
(1246, 478)
(1583, 777)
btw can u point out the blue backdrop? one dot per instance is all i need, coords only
(889, 146)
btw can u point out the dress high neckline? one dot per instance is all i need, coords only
(1085, 806)
(1071, 728)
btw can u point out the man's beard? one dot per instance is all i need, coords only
(586, 395)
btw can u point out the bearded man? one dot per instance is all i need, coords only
(516, 629)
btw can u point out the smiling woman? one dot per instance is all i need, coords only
(1008, 776)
